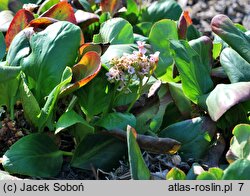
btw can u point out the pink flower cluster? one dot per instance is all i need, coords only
(132, 67)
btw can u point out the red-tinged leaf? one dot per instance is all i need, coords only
(184, 22)
(87, 47)
(84, 71)
(19, 22)
(84, 19)
(187, 18)
(42, 23)
(110, 6)
(61, 11)
(99, 48)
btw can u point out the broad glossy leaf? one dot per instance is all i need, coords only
(88, 67)
(115, 31)
(164, 100)
(71, 118)
(117, 120)
(42, 23)
(158, 10)
(194, 135)
(225, 96)
(61, 11)
(46, 5)
(181, 101)
(110, 6)
(6, 17)
(237, 68)
(93, 98)
(235, 38)
(62, 40)
(160, 35)
(240, 142)
(8, 72)
(48, 107)
(203, 46)
(19, 22)
(217, 47)
(20, 47)
(84, 19)
(195, 75)
(238, 170)
(99, 152)
(138, 167)
(176, 174)
(2, 46)
(33, 155)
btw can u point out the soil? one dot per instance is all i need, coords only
(201, 11)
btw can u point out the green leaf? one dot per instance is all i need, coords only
(203, 46)
(143, 28)
(29, 103)
(168, 9)
(217, 172)
(4, 5)
(117, 120)
(48, 107)
(46, 5)
(195, 136)
(241, 141)
(51, 51)
(93, 98)
(217, 47)
(98, 151)
(165, 99)
(86, 5)
(235, 38)
(8, 72)
(19, 48)
(2, 46)
(176, 174)
(70, 118)
(138, 168)
(115, 31)
(237, 68)
(206, 176)
(33, 155)
(238, 170)
(160, 35)
(181, 101)
(195, 74)
(223, 97)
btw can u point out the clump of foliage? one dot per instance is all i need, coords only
(131, 78)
